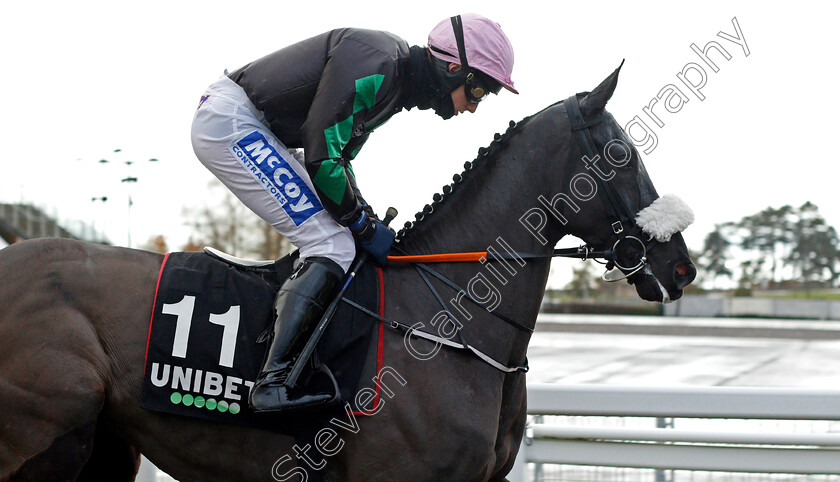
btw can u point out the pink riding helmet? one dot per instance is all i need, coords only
(487, 47)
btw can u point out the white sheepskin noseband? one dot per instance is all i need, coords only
(666, 216)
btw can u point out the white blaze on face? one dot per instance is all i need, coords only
(666, 298)
(665, 217)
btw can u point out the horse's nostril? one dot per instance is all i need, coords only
(684, 274)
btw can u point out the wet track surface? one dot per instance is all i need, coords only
(626, 350)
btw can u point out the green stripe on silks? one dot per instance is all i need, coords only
(331, 180)
(339, 134)
(366, 89)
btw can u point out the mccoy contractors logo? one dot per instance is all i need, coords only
(277, 177)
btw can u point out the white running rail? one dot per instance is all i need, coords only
(668, 448)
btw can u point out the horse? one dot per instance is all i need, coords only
(74, 322)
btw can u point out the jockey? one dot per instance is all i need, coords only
(326, 95)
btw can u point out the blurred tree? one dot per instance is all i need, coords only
(274, 244)
(584, 280)
(817, 249)
(156, 244)
(770, 234)
(749, 273)
(774, 244)
(192, 246)
(715, 254)
(229, 226)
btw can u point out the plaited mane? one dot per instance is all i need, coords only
(484, 154)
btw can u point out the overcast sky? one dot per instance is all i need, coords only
(82, 79)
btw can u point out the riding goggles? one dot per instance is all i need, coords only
(478, 87)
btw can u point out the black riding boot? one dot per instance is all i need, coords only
(301, 302)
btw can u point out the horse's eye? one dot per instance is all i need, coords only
(619, 154)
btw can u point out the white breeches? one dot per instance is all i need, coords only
(230, 137)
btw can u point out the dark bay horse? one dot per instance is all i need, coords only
(74, 320)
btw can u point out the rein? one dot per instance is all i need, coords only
(582, 252)
(617, 210)
(423, 271)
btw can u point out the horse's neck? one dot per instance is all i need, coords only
(482, 214)
(531, 160)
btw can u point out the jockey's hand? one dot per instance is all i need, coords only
(373, 236)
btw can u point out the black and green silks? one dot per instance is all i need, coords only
(326, 94)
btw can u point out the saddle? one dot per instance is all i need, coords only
(208, 337)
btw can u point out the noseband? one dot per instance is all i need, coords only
(625, 271)
(618, 212)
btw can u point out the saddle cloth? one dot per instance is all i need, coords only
(206, 342)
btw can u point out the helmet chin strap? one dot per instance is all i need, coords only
(448, 80)
(458, 30)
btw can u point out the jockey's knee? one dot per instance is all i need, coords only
(339, 247)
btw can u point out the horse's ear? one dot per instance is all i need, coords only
(595, 101)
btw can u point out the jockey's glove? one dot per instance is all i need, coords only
(373, 236)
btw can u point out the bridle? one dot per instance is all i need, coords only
(617, 208)
(618, 211)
